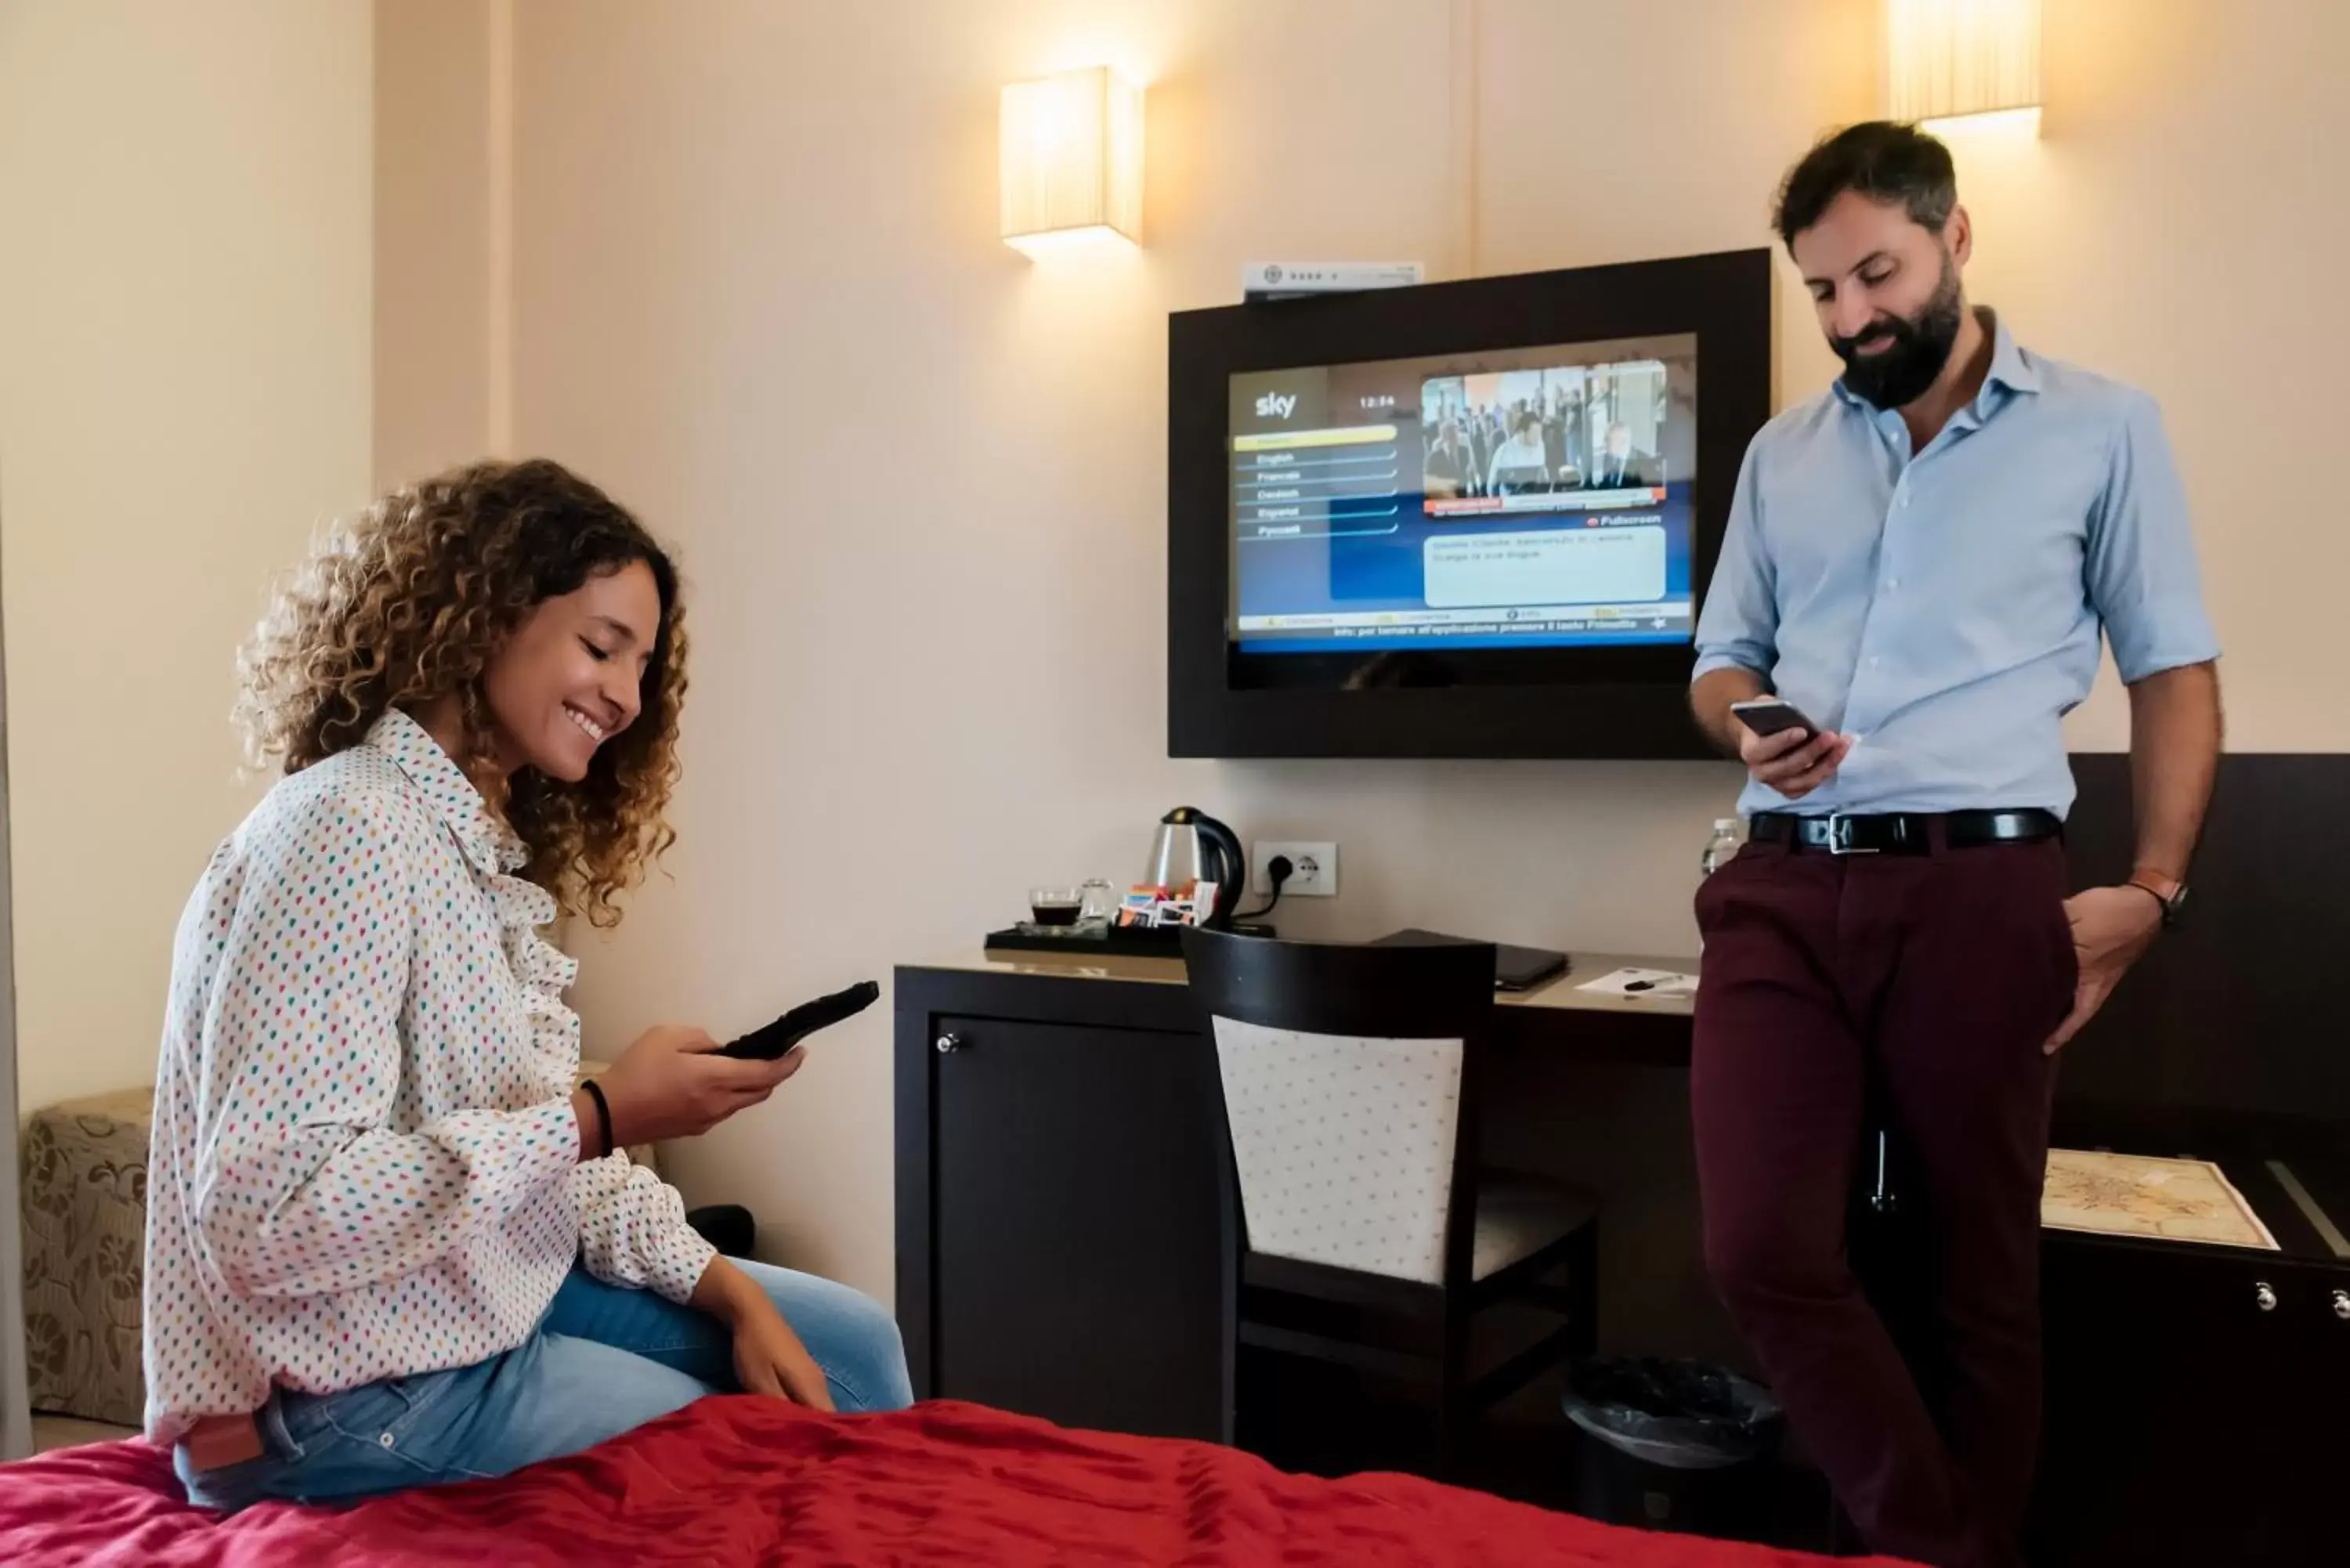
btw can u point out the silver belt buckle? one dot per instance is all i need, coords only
(1840, 837)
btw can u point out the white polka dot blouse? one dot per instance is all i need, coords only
(365, 1158)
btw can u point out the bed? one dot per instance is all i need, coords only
(745, 1481)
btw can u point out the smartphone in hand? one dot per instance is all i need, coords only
(768, 1043)
(1771, 716)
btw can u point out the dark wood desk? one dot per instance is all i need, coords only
(1558, 1013)
(1061, 1249)
(1056, 1180)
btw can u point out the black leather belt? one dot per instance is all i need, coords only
(1903, 833)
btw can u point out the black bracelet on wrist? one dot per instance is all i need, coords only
(603, 1114)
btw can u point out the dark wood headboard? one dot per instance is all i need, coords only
(2238, 1022)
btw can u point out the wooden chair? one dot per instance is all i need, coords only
(1349, 1079)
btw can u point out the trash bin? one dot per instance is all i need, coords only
(1673, 1445)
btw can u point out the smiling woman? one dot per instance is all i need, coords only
(389, 1243)
(531, 625)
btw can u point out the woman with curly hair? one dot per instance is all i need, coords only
(387, 1244)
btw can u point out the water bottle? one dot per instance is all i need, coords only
(1721, 847)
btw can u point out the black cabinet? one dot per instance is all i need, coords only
(2198, 1401)
(1059, 1218)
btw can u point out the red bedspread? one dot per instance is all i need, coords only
(750, 1480)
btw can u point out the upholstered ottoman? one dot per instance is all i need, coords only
(85, 1236)
(84, 1246)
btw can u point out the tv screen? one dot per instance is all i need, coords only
(1459, 519)
(1530, 497)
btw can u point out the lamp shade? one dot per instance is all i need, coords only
(1948, 58)
(1071, 159)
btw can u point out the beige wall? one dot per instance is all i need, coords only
(2180, 226)
(184, 284)
(918, 480)
(442, 205)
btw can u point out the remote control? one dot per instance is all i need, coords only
(767, 1043)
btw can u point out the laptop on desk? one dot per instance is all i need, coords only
(1514, 968)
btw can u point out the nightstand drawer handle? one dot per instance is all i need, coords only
(2266, 1295)
(948, 1043)
(2342, 1305)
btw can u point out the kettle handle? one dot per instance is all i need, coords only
(1232, 873)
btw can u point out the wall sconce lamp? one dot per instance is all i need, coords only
(1952, 59)
(1071, 151)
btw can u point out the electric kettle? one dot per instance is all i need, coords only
(1193, 846)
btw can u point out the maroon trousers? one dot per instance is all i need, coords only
(1936, 979)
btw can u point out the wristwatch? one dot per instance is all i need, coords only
(2168, 891)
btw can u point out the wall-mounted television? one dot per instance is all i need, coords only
(1461, 520)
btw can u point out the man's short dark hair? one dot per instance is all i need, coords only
(1882, 160)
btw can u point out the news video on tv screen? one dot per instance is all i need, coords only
(1530, 497)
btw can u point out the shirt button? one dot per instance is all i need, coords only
(385, 1440)
(1873, 663)
(1905, 498)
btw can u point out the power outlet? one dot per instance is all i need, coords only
(1314, 869)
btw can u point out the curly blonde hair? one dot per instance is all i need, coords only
(406, 604)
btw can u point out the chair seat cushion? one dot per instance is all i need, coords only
(1518, 1215)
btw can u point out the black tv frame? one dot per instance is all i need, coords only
(1633, 702)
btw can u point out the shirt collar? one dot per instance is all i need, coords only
(491, 846)
(2011, 365)
(2013, 369)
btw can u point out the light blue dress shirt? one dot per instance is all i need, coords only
(1945, 607)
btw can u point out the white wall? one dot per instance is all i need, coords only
(186, 220)
(918, 480)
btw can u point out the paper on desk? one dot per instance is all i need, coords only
(1652, 982)
(2162, 1200)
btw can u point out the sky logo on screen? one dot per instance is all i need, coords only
(1275, 405)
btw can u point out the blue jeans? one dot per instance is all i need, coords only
(604, 1360)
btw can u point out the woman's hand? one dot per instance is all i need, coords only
(768, 1356)
(668, 1085)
